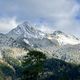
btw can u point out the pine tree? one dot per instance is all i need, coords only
(33, 65)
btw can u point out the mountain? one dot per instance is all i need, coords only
(64, 39)
(58, 47)
(27, 36)
(68, 53)
(26, 30)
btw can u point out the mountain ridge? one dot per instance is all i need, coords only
(25, 36)
(25, 31)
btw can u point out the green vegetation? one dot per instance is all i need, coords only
(33, 65)
(6, 72)
(1, 75)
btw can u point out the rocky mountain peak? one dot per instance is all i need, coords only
(26, 30)
(58, 33)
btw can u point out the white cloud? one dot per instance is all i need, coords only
(67, 22)
(6, 24)
(60, 13)
(45, 28)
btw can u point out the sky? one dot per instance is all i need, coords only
(50, 15)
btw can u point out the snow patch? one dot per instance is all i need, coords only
(26, 41)
(63, 40)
